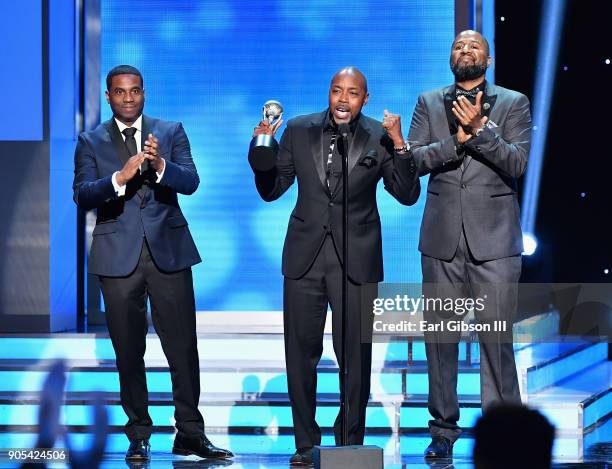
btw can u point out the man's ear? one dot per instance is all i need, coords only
(365, 101)
(489, 61)
(106, 93)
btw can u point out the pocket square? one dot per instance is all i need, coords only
(369, 160)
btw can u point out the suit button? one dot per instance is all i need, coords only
(463, 186)
(325, 227)
(331, 204)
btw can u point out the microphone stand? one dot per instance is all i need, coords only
(358, 456)
(344, 131)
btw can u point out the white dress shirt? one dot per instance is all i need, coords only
(120, 190)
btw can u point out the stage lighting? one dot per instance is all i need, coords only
(548, 50)
(530, 244)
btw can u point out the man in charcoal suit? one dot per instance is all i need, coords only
(473, 139)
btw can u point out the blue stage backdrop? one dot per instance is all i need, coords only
(211, 65)
(21, 80)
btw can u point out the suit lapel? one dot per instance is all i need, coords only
(120, 149)
(489, 98)
(357, 145)
(315, 137)
(146, 130)
(449, 97)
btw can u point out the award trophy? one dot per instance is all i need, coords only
(264, 148)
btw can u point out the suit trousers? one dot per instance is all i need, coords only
(173, 313)
(495, 282)
(305, 311)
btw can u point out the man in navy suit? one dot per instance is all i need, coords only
(131, 169)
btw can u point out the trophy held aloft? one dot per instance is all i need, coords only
(264, 148)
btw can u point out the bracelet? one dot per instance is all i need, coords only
(403, 149)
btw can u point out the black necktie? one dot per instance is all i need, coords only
(130, 141)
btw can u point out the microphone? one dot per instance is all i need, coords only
(344, 131)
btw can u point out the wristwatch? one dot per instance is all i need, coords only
(479, 131)
(404, 149)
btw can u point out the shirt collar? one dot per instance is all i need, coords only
(137, 124)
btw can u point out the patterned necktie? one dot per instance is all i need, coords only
(130, 141)
(330, 159)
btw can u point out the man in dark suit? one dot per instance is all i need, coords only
(131, 169)
(313, 245)
(472, 138)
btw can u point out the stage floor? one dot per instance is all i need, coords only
(246, 407)
(267, 452)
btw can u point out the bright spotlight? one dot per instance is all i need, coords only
(530, 244)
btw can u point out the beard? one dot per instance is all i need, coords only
(468, 72)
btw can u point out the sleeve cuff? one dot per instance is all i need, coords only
(119, 190)
(161, 175)
(405, 155)
(459, 147)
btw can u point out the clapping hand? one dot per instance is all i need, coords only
(469, 115)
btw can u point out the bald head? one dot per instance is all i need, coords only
(472, 35)
(348, 93)
(352, 72)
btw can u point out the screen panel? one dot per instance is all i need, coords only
(21, 85)
(212, 65)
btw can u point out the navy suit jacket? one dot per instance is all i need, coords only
(150, 210)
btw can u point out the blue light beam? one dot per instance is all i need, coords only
(548, 49)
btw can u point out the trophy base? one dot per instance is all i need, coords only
(263, 152)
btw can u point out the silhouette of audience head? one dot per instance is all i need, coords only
(51, 430)
(511, 436)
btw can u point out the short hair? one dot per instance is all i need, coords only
(122, 70)
(503, 428)
(471, 31)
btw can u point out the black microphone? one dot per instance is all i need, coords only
(344, 130)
